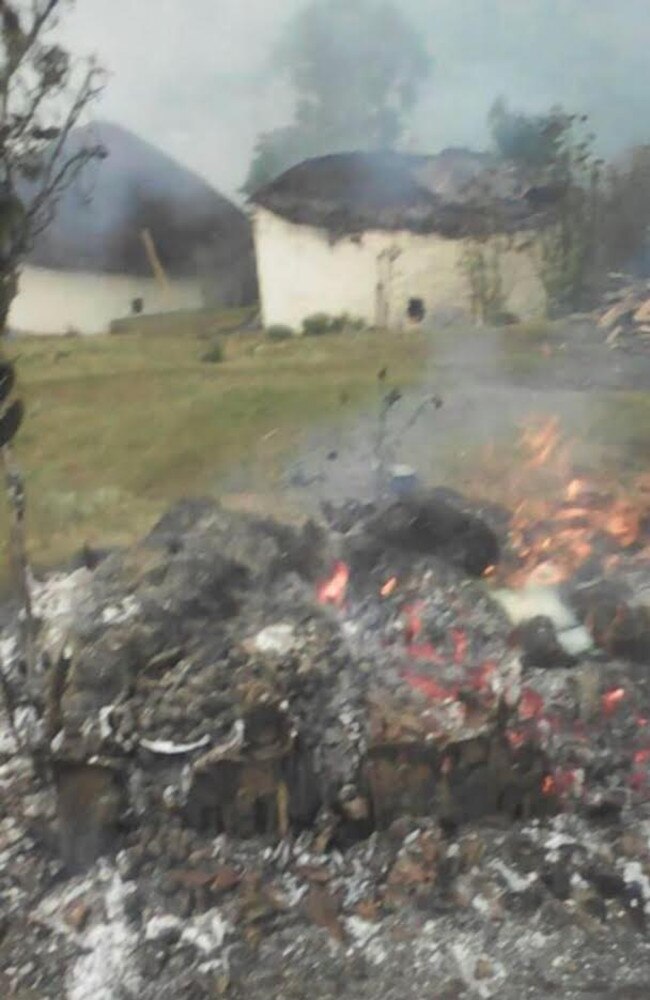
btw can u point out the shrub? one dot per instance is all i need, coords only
(321, 323)
(215, 354)
(357, 325)
(279, 332)
(317, 325)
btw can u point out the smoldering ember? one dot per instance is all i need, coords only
(399, 750)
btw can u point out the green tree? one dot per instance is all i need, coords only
(356, 68)
(626, 216)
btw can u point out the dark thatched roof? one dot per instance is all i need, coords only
(456, 193)
(100, 219)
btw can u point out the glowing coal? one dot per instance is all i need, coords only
(333, 590)
(389, 587)
(611, 700)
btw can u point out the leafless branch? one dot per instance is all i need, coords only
(48, 197)
(37, 165)
(88, 91)
(41, 14)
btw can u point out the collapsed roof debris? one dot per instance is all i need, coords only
(273, 777)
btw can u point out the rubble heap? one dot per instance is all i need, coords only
(255, 743)
(625, 314)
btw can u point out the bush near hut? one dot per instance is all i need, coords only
(321, 323)
(279, 332)
(215, 354)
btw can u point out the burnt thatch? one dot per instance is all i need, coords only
(99, 223)
(457, 193)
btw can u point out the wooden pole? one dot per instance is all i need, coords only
(154, 260)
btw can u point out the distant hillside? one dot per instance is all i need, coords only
(100, 219)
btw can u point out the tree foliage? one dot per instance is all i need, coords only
(43, 94)
(535, 143)
(355, 68)
(553, 154)
(626, 214)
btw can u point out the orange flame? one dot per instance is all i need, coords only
(549, 786)
(333, 591)
(429, 688)
(559, 516)
(561, 783)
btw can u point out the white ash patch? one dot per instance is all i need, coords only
(293, 891)
(107, 970)
(13, 843)
(506, 682)
(162, 927)
(29, 725)
(56, 597)
(17, 769)
(533, 600)
(483, 976)
(428, 945)
(207, 932)
(278, 639)
(122, 612)
(366, 938)
(515, 882)
(55, 602)
(8, 652)
(634, 874)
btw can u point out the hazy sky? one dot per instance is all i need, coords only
(193, 76)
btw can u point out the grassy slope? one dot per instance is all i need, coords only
(118, 426)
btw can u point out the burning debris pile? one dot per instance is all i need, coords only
(340, 758)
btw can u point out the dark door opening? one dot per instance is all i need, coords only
(416, 311)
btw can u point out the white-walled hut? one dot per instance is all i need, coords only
(94, 264)
(387, 237)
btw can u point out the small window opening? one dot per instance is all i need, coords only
(137, 306)
(416, 311)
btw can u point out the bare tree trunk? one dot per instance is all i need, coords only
(19, 558)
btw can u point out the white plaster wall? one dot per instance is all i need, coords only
(301, 273)
(56, 301)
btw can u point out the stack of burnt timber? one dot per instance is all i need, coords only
(198, 675)
(625, 315)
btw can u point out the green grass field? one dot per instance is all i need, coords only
(117, 427)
